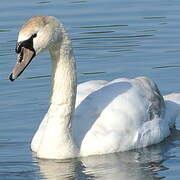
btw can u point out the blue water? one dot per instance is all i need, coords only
(117, 38)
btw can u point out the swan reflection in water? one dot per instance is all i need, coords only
(142, 164)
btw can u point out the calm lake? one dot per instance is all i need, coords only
(111, 39)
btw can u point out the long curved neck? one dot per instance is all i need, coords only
(57, 141)
(63, 92)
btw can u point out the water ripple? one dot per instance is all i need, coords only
(114, 37)
(100, 26)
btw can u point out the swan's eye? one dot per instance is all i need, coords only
(34, 35)
(27, 44)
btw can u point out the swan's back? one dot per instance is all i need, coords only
(86, 88)
(109, 119)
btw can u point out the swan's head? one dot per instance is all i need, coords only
(36, 35)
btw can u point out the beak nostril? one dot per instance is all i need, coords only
(20, 57)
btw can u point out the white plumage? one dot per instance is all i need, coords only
(104, 117)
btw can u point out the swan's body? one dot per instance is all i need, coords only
(97, 117)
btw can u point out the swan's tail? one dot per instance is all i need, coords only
(172, 103)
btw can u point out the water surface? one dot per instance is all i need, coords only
(117, 38)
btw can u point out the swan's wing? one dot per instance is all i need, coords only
(109, 119)
(86, 88)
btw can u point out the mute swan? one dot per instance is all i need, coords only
(105, 117)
